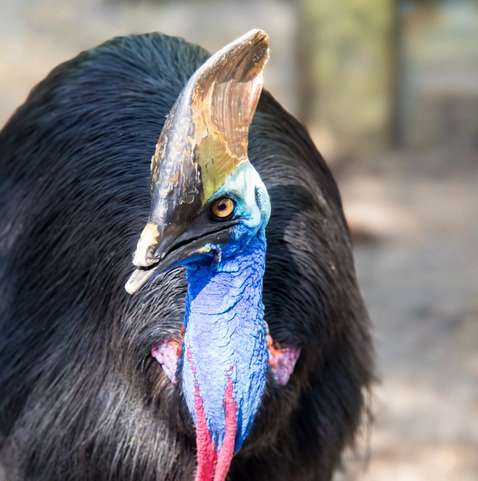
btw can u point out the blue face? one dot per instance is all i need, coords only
(223, 363)
(242, 201)
(224, 357)
(251, 205)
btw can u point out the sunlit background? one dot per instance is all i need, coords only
(389, 92)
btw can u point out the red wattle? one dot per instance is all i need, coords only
(227, 449)
(206, 451)
(211, 464)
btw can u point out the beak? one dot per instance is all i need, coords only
(159, 253)
(204, 139)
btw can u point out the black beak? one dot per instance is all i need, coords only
(200, 239)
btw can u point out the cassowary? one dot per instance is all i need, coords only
(240, 348)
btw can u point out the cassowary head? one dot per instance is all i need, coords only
(207, 196)
(209, 213)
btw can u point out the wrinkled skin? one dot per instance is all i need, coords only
(81, 398)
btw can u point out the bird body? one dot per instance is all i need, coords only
(255, 346)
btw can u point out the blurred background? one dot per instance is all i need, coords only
(389, 92)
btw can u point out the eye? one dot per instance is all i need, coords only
(222, 208)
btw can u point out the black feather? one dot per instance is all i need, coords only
(80, 396)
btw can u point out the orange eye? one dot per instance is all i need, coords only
(222, 208)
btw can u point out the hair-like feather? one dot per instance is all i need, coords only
(80, 396)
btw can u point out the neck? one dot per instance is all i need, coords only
(226, 360)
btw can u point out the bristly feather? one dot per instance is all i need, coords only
(80, 396)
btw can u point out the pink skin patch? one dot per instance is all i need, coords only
(282, 361)
(213, 465)
(167, 354)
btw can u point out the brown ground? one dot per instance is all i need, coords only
(421, 285)
(420, 279)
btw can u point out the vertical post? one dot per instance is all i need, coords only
(343, 59)
(396, 132)
(305, 43)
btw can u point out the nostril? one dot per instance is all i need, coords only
(144, 257)
(157, 254)
(146, 247)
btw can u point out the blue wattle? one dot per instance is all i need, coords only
(226, 338)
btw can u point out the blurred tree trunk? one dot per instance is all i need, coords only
(396, 134)
(343, 71)
(306, 47)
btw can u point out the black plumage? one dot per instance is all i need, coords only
(80, 396)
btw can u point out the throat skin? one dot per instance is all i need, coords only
(225, 356)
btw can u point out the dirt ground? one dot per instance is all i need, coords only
(417, 260)
(420, 282)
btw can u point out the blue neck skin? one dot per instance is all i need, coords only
(225, 335)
